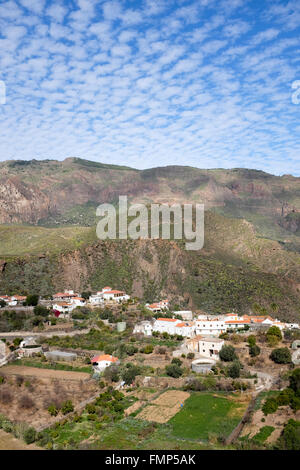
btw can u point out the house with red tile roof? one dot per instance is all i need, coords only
(102, 361)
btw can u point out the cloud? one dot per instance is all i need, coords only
(148, 83)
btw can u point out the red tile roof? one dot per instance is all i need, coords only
(167, 319)
(104, 357)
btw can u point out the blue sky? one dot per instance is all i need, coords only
(148, 83)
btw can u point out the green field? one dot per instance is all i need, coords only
(204, 415)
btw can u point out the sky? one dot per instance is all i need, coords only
(205, 83)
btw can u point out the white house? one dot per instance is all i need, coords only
(144, 327)
(166, 325)
(207, 346)
(186, 329)
(65, 296)
(214, 326)
(116, 295)
(102, 361)
(96, 299)
(78, 301)
(64, 308)
(292, 326)
(158, 307)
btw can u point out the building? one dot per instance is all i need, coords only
(96, 299)
(63, 308)
(78, 301)
(206, 346)
(115, 295)
(166, 325)
(28, 347)
(185, 314)
(158, 307)
(210, 326)
(144, 327)
(101, 362)
(186, 329)
(64, 296)
(61, 356)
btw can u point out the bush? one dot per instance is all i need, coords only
(295, 404)
(148, 349)
(190, 355)
(290, 437)
(32, 300)
(26, 402)
(295, 381)
(274, 331)
(281, 356)
(177, 361)
(234, 370)
(285, 397)
(251, 340)
(173, 370)
(270, 406)
(67, 407)
(227, 353)
(29, 435)
(254, 350)
(53, 410)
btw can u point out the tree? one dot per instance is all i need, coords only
(254, 350)
(295, 381)
(290, 437)
(173, 370)
(130, 374)
(41, 310)
(270, 406)
(251, 340)
(227, 353)
(32, 300)
(274, 331)
(2, 303)
(86, 295)
(234, 370)
(281, 356)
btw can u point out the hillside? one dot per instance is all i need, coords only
(250, 260)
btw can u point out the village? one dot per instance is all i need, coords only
(157, 358)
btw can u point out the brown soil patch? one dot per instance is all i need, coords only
(44, 373)
(133, 408)
(26, 398)
(164, 407)
(9, 442)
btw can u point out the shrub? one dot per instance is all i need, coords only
(29, 435)
(148, 349)
(227, 353)
(26, 402)
(251, 340)
(285, 397)
(53, 410)
(290, 437)
(281, 356)
(67, 407)
(254, 350)
(295, 381)
(190, 355)
(295, 403)
(274, 331)
(234, 370)
(270, 406)
(173, 370)
(177, 361)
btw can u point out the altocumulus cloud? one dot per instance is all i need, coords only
(152, 82)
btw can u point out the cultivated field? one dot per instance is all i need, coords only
(206, 414)
(164, 407)
(44, 373)
(27, 392)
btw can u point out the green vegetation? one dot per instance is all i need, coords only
(281, 356)
(227, 353)
(290, 437)
(206, 414)
(263, 434)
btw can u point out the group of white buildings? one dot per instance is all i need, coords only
(66, 302)
(14, 300)
(207, 325)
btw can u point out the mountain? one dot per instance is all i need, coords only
(250, 260)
